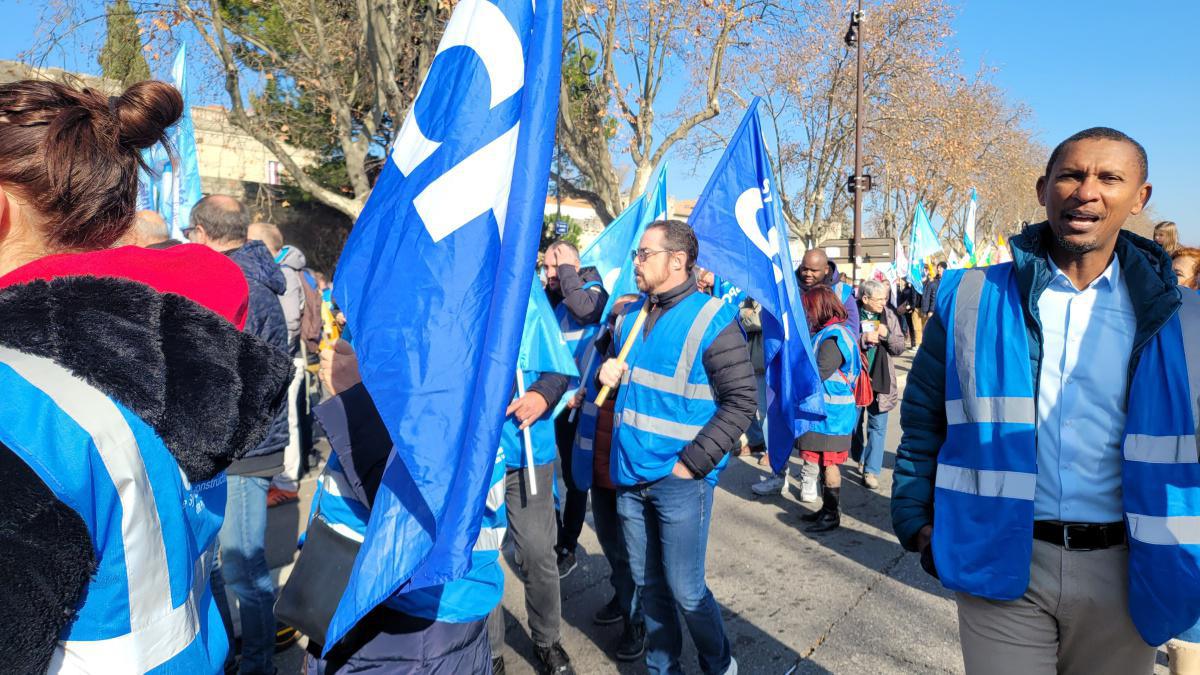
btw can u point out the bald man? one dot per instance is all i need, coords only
(816, 270)
(149, 231)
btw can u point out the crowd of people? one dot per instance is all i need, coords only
(158, 399)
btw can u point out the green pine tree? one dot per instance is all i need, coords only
(122, 58)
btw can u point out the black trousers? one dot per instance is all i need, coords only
(574, 507)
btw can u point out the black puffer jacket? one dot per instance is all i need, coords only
(208, 390)
(266, 321)
(727, 363)
(585, 306)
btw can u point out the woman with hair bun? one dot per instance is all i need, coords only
(128, 387)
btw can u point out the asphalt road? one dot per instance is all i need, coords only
(850, 601)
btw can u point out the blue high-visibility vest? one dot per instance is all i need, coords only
(987, 467)
(148, 607)
(665, 397)
(578, 336)
(583, 451)
(840, 412)
(845, 292)
(470, 598)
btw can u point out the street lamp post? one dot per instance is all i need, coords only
(858, 183)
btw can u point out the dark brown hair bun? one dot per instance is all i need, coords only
(74, 154)
(145, 111)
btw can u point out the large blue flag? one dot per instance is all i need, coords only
(434, 281)
(543, 347)
(610, 252)
(743, 238)
(173, 186)
(923, 243)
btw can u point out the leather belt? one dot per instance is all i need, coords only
(1080, 536)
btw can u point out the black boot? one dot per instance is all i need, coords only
(819, 513)
(828, 518)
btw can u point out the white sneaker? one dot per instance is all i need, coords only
(870, 481)
(771, 485)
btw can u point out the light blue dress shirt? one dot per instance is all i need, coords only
(1087, 338)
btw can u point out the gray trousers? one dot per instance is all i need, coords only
(533, 531)
(1073, 620)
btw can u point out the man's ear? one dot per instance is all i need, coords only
(1144, 193)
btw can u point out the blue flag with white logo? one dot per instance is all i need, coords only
(173, 186)
(743, 238)
(435, 280)
(610, 253)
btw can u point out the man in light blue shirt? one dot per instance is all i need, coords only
(1016, 415)
(1087, 339)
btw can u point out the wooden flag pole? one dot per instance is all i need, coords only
(530, 473)
(637, 326)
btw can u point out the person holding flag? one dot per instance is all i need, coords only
(739, 221)
(686, 394)
(434, 282)
(441, 630)
(578, 297)
(545, 368)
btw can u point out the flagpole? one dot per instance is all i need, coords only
(637, 326)
(529, 470)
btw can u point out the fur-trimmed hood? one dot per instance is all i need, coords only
(209, 390)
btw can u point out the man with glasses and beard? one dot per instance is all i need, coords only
(686, 394)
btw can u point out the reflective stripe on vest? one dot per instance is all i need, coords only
(657, 425)
(841, 413)
(665, 398)
(578, 336)
(677, 383)
(1161, 479)
(159, 631)
(987, 468)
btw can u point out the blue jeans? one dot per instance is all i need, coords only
(666, 531)
(612, 543)
(243, 567)
(870, 454)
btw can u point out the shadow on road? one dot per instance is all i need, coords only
(869, 507)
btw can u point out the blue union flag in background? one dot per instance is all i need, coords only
(743, 238)
(435, 281)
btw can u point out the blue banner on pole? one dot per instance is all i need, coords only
(743, 238)
(172, 187)
(610, 252)
(435, 281)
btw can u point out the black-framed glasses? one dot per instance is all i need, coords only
(643, 253)
(187, 232)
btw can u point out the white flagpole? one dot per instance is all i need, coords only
(528, 440)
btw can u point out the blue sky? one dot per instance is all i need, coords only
(1134, 66)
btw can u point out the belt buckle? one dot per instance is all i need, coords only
(1067, 538)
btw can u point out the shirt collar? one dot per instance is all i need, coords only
(1109, 279)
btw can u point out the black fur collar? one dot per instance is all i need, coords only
(208, 389)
